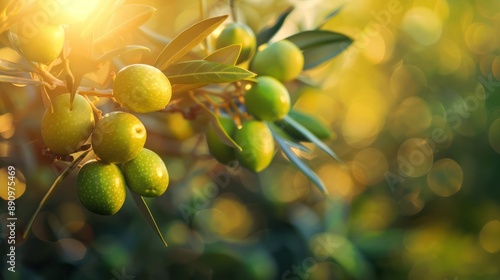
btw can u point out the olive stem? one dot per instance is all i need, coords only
(94, 108)
(232, 7)
(95, 92)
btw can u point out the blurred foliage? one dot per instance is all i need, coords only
(414, 103)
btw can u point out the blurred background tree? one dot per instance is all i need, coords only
(415, 109)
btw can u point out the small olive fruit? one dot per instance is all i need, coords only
(142, 88)
(101, 187)
(238, 33)
(282, 60)
(257, 143)
(146, 174)
(41, 43)
(309, 122)
(220, 151)
(67, 127)
(118, 137)
(268, 99)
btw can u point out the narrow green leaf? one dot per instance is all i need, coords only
(311, 137)
(14, 67)
(120, 51)
(51, 190)
(146, 213)
(285, 148)
(186, 40)
(219, 130)
(319, 46)
(125, 18)
(226, 55)
(332, 14)
(205, 72)
(19, 80)
(268, 33)
(285, 137)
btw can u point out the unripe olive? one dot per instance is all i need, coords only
(268, 99)
(238, 33)
(257, 143)
(68, 126)
(118, 137)
(101, 187)
(142, 88)
(41, 43)
(282, 60)
(146, 174)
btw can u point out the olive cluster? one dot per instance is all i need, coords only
(117, 139)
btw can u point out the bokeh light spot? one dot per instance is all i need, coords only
(362, 124)
(423, 25)
(369, 166)
(415, 157)
(338, 181)
(445, 177)
(489, 237)
(481, 38)
(494, 135)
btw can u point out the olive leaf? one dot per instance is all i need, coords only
(100, 14)
(144, 209)
(319, 46)
(205, 72)
(120, 51)
(186, 40)
(226, 55)
(311, 137)
(52, 188)
(218, 128)
(268, 33)
(19, 80)
(295, 160)
(278, 130)
(332, 14)
(14, 67)
(123, 19)
(311, 123)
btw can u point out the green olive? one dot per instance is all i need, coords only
(101, 187)
(257, 143)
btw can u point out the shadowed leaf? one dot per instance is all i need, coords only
(186, 40)
(311, 137)
(332, 14)
(268, 33)
(319, 46)
(285, 148)
(146, 213)
(219, 130)
(278, 131)
(51, 190)
(14, 67)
